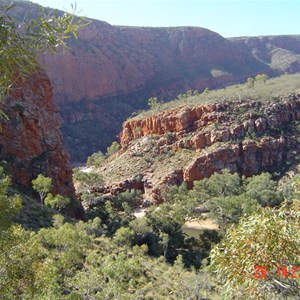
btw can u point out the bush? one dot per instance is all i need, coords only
(95, 160)
(263, 189)
(131, 197)
(57, 202)
(42, 185)
(113, 148)
(265, 239)
(124, 236)
(88, 180)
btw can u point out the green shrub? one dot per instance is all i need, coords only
(57, 202)
(131, 197)
(113, 148)
(96, 159)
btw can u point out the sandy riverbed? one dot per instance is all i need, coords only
(195, 224)
(202, 224)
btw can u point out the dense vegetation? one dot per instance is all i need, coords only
(114, 255)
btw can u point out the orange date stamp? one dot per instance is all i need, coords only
(261, 272)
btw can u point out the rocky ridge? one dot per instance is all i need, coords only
(190, 143)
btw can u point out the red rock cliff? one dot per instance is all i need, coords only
(245, 137)
(31, 142)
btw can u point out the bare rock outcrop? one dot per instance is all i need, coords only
(247, 137)
(31, 141)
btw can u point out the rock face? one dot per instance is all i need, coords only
(111, 61)
(212, 123)
(247, 158)
(31, 142)
(247, 137)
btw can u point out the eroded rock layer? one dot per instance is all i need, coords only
(191, 143)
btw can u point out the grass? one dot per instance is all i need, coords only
(272, 88)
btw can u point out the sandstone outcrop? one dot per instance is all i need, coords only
(31, 142)
(208, 124)
(247, 158)
(191, 143)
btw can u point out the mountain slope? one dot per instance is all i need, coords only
(30, 140)
(280, 53)
(115, 69)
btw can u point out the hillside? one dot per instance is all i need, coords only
(281, 53)
(183, 207)
(190, 139)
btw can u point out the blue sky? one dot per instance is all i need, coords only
(228, 18)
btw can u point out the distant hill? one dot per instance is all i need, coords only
(280, 53)
(111, 71)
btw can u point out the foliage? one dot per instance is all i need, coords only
(153, 103)
(166, 237)
(67, 246)
(131, 197)
(227, 196)
(291, 188)
(218, 185)
(261, 77)
(57, 202)
(42, 185)
(124, 236)
(25, 272)
(272, 88)
(263, 189)
(268, 239)
(9, 204)
(113, 148)
(250, 83)
(22, 41)
(231, 208)
(71, 261)
(205, 91)
(95, 160)
(88, 181)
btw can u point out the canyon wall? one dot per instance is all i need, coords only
(31, 141)
(111, 71)
(280, 53)
(247, 137)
